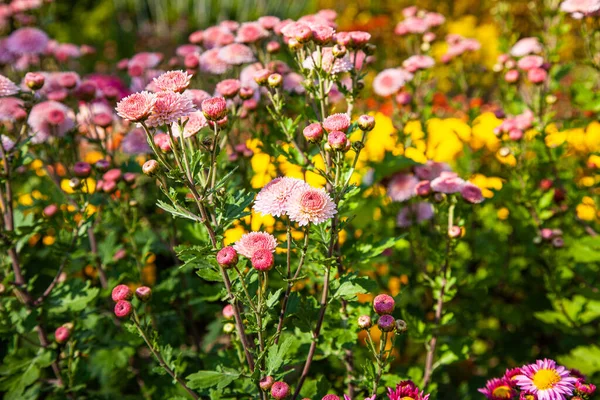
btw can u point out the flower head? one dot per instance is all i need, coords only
(7, 87)
(419, 62)
(236, 54)
(50, 118)
(525, 46)
(498, 389)
(406, 390)
(310, 205)
(28, 41)
(274, 197)
(137, 106)
(250, 32)
(174, 81)
(211, 62)
(383, 304)
(262, 260)
(123, 309)
(546, 380)
(390, 81)
(280, 390)
(227, 257)
(195, 122)
(337, 122)
(61, 334)
(471, 193)
(249, 243)
(402, 187)
(169, 108)
(447, 182)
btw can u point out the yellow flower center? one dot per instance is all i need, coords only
(407, 398)
(503, 392)
(545, 379)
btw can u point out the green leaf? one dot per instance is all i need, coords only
(279, 354)
(209, 379)
(584, 358)
(586, 249)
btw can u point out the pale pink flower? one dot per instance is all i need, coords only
(195, 122)
(292, 83)
(137, 106)
(187, 49)
(537, 75)
(390, 81)
(415, 25)
(447, 182)
(268, 21)
(7, 87)
(418, 62)
(251, 32)
(530, 62)
(546, 380)
(580, 8)
(433, 19)
(197, 96)
(211, 62)
(273, 198)
(217, 36)
(50, 118)
(135, 142)
(471, 193)
(174, 81)
(414, 213)
(7, 143)
(295, 30)
(525, 46)
(11, 109)
(64, 51)
(228, 88)
(27, 41)
(337, 122)
(249, 243)
(524, 120)
(170, 107)
(410, 11)
(236, 54)
(321, 33)
(310, 205)
(146, 60)
(402, 187)
(328, 14)
(214, 108)
(230, 25)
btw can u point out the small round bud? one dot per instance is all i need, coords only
(227, 257)
(273, 47)
(246, 93)
(123, 309)
(74, 183)
(261, 76)
(133, 203)
(129, 177)
(266, 383)
(121, 292)
(313, 133)
(551, 99)
(143, 293)
(425, 46)
(303, 34)
(383, 304)
(275, 80)
(337, 140)
(364, 322)
(61, 334)
(280, 390)
(558, 242)
(386, 323)
(228, 311)
(102, 165)
(504, 152)
(423, 188)
(34, 80)
(401, 326)
(150, 167)
(262, 260)
(454, 232)
(294, 44)
(112, 175)
(439, 197)
(228, 327)
(546, 184)
(50, 210)
(339, 51)
(82, 169)
(366, 122)
(215, 108)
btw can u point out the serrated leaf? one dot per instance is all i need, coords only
(209, 379)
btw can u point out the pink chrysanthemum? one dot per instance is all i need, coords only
(390, 81)
(262, 260)
(414, 213)
(228, 88)
(195, 122)
(268, 21)
(406, 390)
(498, 389)
(11, 109)
(525, 46)
(418, 62)
(250, 32)
(214, 108)
(402, 187)
(170, 107)
(7, 87)
(528, 63)
(236, 54)
(471, 193)
(213, 64)
(310, 205)
(511, 374)
(146, 60)
(546, 380)
(187, 49)
(27, 41)
(217, 36)
(274, 197)
(50, 118)
(174, 81)
(249, 243)
(580, 8)
(431, 170)
(137, 106)
(123, 309)
(337, 122)
(227, 257)
(447, 182)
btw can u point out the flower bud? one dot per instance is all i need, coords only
(228, 327)
(313, 133)
(423, 188)
(262, 260)
(386, 323)
(61, 334)
(50, 210)
(150, 167)
(366, 123)
(401, 326)
(227, 257)
(364, 322)
(102, 165)
(246, 93)
(339, 51)
(294, 45)
(266, 383)
(275, 80)
(303, 34)
(143, 293)
(74, 183)
(228, 311)
(273, 47)
(123, 309)
(215, 108)
(129, 177)
(454, 232)
(121, 292)
(280, 390)
(337, 140)
(82, 169)
(34, 80)
(551, 99)
(439, 197)
(384, 304)
(558, 242)
(261, 76)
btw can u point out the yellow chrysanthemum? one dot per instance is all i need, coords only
(483, 132)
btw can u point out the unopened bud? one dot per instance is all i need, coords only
(275, 80)
(150, 167)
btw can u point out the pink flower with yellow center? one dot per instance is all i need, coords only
(310, 205)
(546, 380)
(498, 389)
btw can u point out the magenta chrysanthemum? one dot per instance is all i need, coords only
(390, 81)
(249, 243)
(337, 122)
(50, 118)
(406, 390)
(7, 87)
(402, 187)
(27, 41)
(310, 205)
(170, 107)
(498, 389)
(173, 81)
(546, 380)
(236, 54)
(137, 106)
(273, 199)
